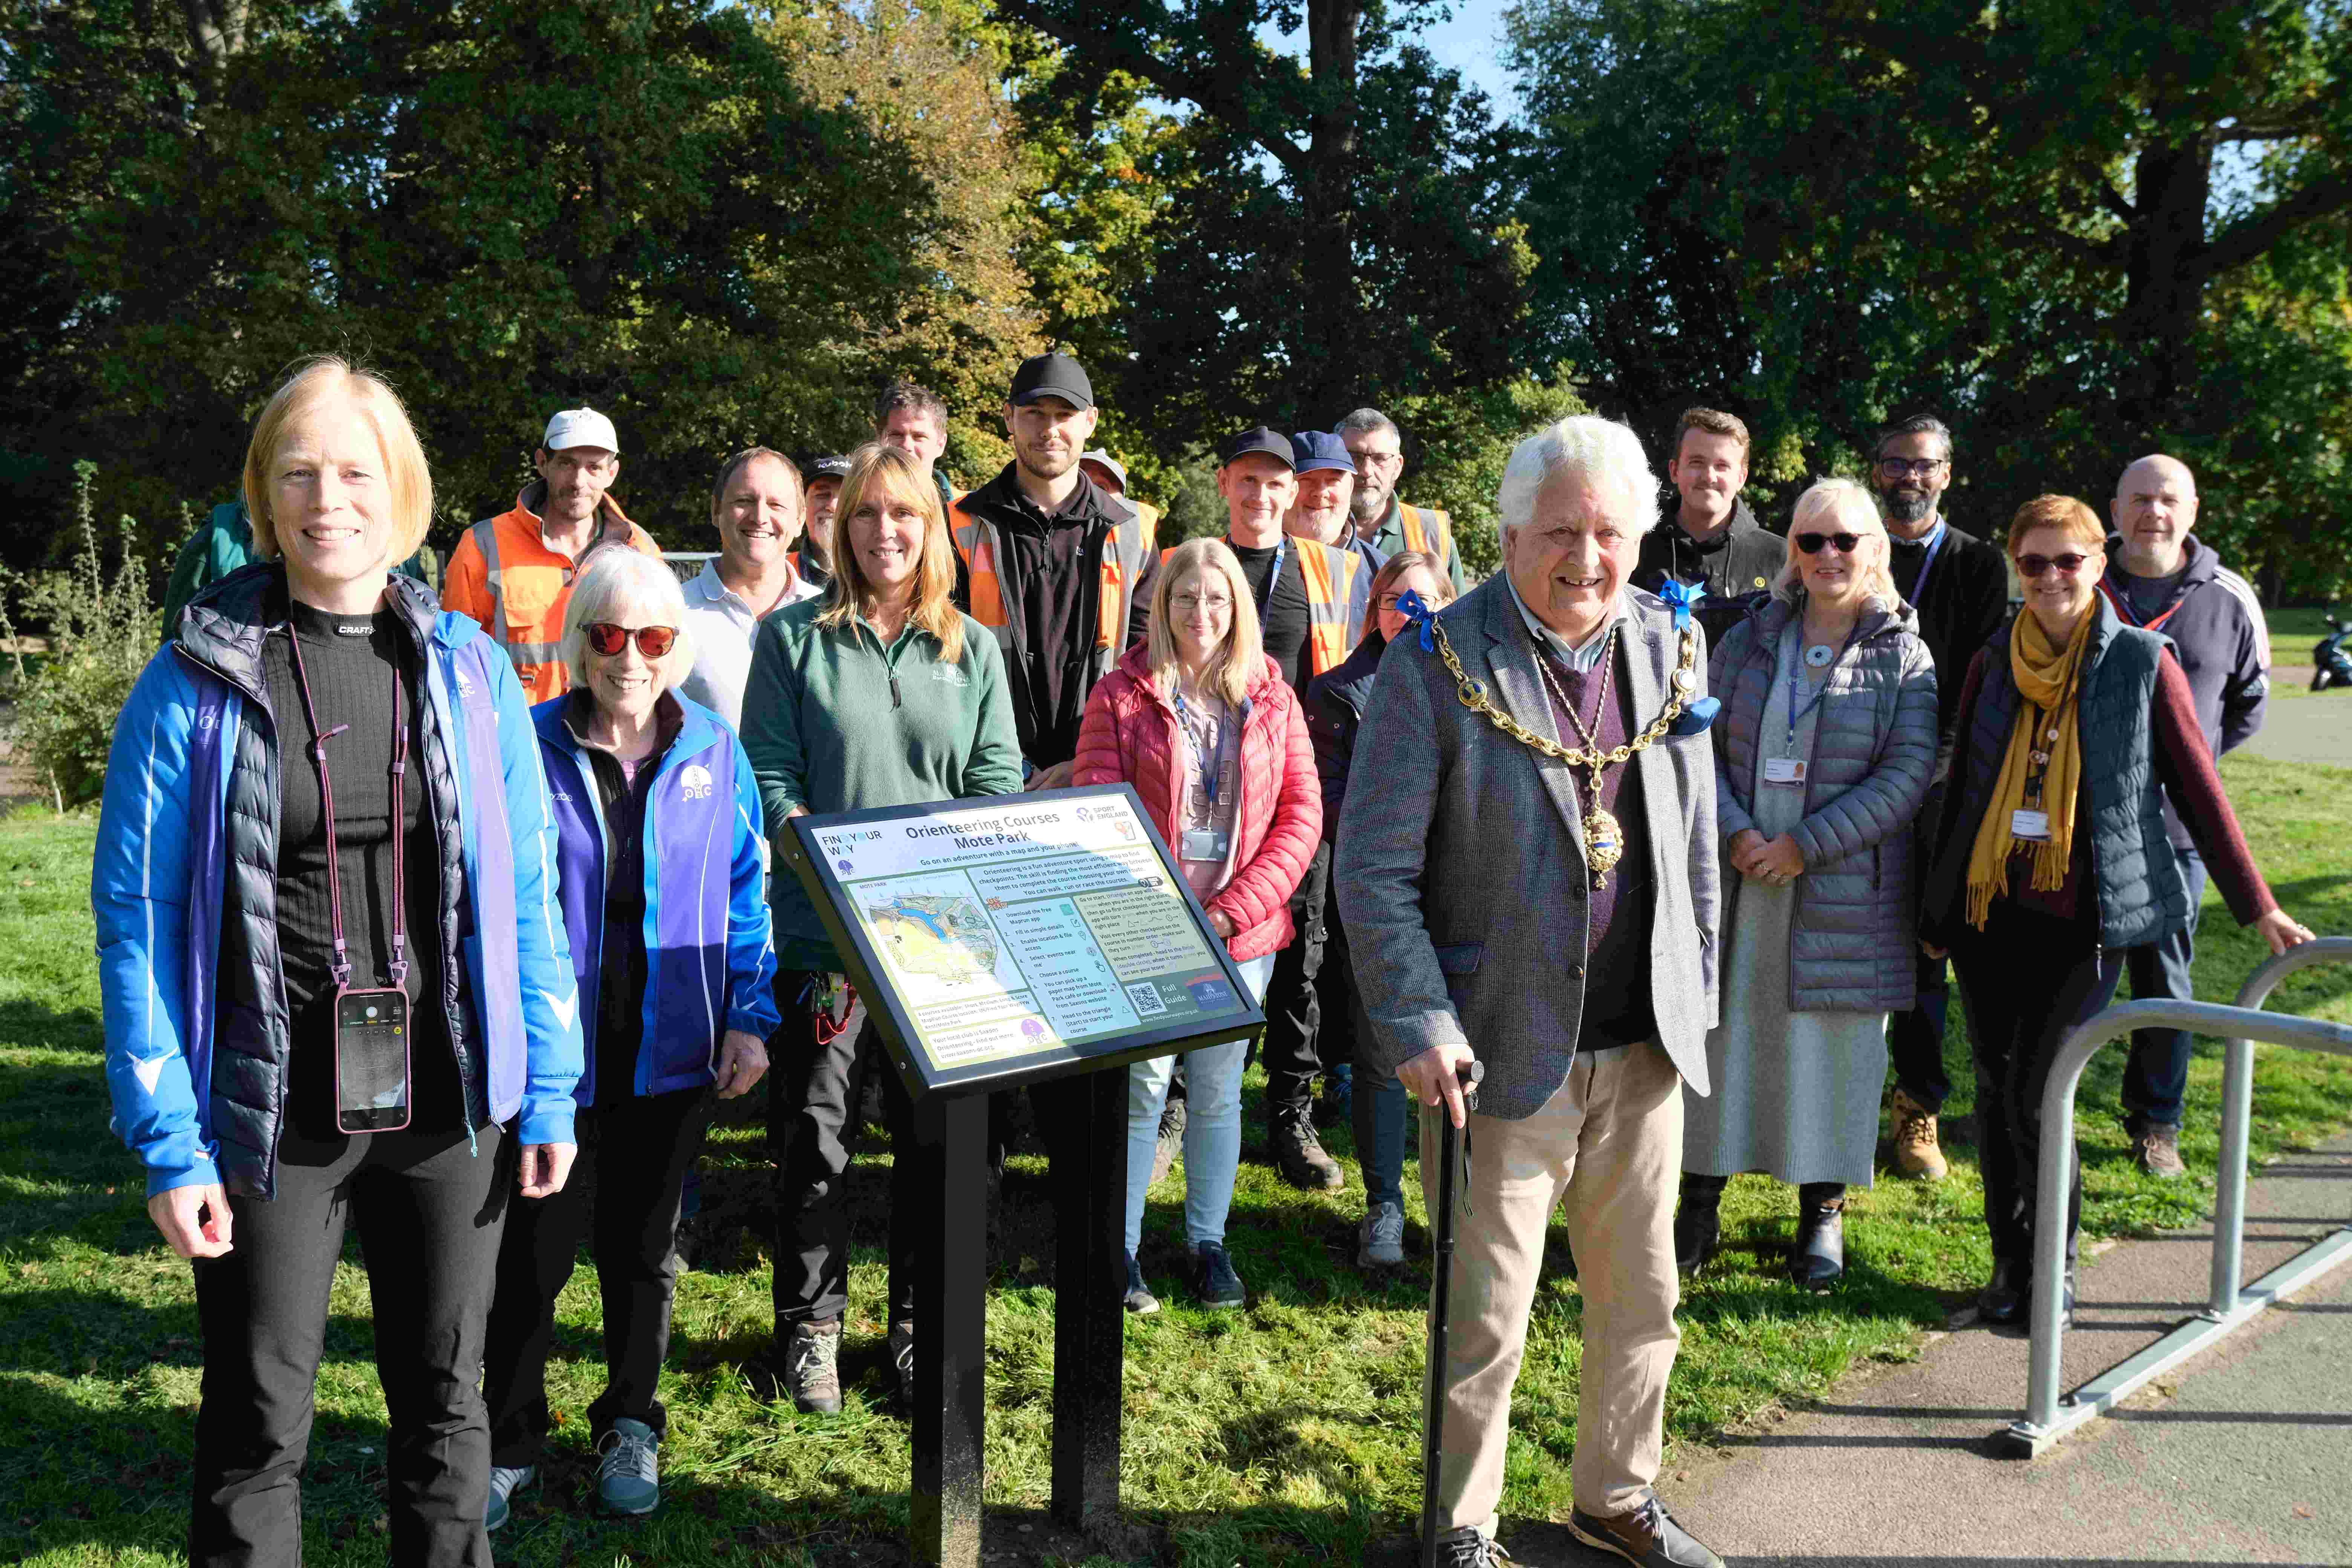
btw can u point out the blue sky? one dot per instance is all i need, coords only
(1471, 43)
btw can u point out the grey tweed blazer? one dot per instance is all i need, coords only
(1459, 870)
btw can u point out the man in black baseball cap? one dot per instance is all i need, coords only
(821, 479)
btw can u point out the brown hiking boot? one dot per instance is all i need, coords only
(1916, 1153)
(2157, 1150)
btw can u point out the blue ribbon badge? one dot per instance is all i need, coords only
(1416, 609)
(1680, 598)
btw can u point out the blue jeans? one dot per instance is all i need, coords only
(1378, 1113)
(1213, 1127)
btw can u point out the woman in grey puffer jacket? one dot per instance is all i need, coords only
(1823, 758)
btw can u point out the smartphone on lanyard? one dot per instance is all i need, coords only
(371, 1059)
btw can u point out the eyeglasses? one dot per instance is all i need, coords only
(2032, 567)
(1914, 468)
(1188, 603)
(1384, 459)
(607, 639)
(1845, 543)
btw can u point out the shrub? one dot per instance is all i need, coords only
(102, 631)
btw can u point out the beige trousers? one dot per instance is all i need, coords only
(1611, 1140)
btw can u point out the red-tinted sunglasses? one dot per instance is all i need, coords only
(2030, 566)
(607, 639)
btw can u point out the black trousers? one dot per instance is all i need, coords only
(1293, 1009)
(810, 1119)
(2157, 1076)
(429, 1208)
(625, 1185)
(2025, 980)
(1915, 1040)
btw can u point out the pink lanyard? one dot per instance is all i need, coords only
(342, 966)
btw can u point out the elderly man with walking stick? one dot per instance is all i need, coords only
(1558, 715)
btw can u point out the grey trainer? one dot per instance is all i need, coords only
(1380, 1240)
(629, 1472)
(505, 1481)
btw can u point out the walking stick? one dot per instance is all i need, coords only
(1452, 1162)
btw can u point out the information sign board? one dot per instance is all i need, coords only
(1015, 938)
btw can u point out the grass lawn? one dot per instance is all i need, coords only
(1286, 1434)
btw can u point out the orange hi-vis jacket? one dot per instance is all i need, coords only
(503, 574)
(1339, 597)
(1426, 529)
(1124, 556)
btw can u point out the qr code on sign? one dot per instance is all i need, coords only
(1145, 997)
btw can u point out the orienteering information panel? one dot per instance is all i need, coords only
(1020, 937)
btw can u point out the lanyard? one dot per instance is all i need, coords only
(342, 966)
(1265, 597)
(1796, 713)
(1935, 545)
(1209, 761)
(2122, 601)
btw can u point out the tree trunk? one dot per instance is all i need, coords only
(1333, 306)
(2164, 283)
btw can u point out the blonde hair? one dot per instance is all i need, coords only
(408, 480)
(1396, 566)
(1851, 507)
(612, 576)
(879, 475)
(2070, 517)
(1242, 654)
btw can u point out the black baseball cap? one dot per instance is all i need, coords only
(831, 466)
(1273, 443)
(1054, 374)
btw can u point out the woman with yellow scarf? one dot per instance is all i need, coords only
(2052, 859)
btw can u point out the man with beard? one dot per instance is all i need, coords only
(513, 572)
(1712, 540)
(821, 484)
(1323, 509)
(1383, 521)
(756, 507)
(1959, 586)
(1059, 568)
(2160, 575)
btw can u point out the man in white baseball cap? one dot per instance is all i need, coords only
(513, 572)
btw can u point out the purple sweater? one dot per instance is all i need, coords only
(1617, 1007)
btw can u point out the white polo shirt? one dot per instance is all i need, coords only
(721, 626)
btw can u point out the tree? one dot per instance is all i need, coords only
(1336, 235)
(2038, 218)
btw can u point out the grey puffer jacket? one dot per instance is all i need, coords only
(1873, 748)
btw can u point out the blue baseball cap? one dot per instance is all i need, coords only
(1313, 450)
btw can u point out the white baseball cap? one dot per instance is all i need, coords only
(581, 427)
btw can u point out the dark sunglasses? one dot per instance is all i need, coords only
(2032, 567)
(607, 639)
(1811, 544)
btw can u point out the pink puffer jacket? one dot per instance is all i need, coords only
(1130, 736)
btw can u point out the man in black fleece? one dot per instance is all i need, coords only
(1959, 586)
(1712, 539)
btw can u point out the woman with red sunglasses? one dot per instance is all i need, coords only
(664, 892)
(2052, 859)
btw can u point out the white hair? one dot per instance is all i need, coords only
(1849, 508)
(616, 575)
(1604, 454)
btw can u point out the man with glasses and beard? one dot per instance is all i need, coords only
(1959, 586)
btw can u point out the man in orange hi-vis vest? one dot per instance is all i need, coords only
(513, 572)
(1374, 441)
(1057, 567)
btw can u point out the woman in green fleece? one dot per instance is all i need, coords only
(879, 693)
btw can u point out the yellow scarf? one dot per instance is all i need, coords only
(2049, 678)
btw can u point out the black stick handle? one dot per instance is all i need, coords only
(1441, 1286)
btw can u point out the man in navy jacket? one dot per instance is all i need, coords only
(2161, 576)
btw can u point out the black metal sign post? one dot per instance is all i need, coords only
(951, 1329)
(1061, 904)
(1090, 1319)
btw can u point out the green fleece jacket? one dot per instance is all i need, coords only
(834, 721)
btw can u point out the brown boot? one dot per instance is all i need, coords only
(1916, 1150)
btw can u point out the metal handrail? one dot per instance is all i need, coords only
(2240, 1026)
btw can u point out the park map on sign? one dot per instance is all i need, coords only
(948, 939)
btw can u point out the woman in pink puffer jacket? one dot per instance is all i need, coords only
(1202, 723)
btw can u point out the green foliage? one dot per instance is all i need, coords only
(1463, 443)
(719, 225)
(101, 634)
(2078, 232)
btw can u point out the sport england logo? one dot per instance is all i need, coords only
(695, 782)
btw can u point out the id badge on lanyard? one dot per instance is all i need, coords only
(373, 1061)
